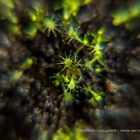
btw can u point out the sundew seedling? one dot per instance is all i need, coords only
(72, 34)
(72, 86)
(66, 61)
(50, 25)
(96, 97)
(99, 37)
(96, 49)
(71, 73)
(70, 61)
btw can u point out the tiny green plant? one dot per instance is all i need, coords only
(99, 37)
(69, 61)
(72, 85)
(50, 25)
(66, 61)
(70, 74)
(96, 97)
(96, 49)
(72, 34)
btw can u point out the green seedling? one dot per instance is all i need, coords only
(31, 31)
(70, 62)
(71, 73)
(97, 56)
(49, 24)
(72, 34)
(96, 96)
(67, 61)
(72, 85)
(99, 37)
(96, 48)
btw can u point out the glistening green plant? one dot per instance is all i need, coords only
(70, 75)
(49, 25)
(96, 49)
(72, 34)
(96, 97)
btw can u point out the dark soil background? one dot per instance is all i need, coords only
(33, 105)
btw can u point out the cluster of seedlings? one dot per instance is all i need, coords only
(79, 58)
(70, 78)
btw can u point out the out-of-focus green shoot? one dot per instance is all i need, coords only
(7, 14)
(31, 30)
(57, 79)
(7, 3)
(85, 2)
(67, 134)
(37, 13)
(68, 96)
(123, 15)
(36, 16)
(38, 9)
(27, 64)
(16, 75)
(14, 29)
(71, 7)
